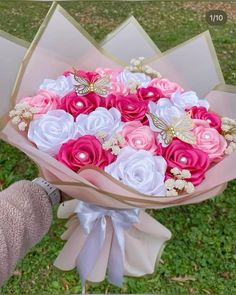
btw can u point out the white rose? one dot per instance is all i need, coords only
(165, 110)
(140, 170)
(187, 100)
(108, 121)
(51, 130)
(127, 77)
(61, 86)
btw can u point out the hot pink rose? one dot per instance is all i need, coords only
(140, 137)
(209, 140)
(90, 76)
(86, 150)
(43, 101)
(130, 107)
(149, 93)
(76, 105)
(184, 156)
(166, 87)
(202, 113)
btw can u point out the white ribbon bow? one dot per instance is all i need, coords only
(93, 222)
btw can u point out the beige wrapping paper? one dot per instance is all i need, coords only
(144, 240)
(12, 51)
(129, 40)
(197, 62)
(48, 57)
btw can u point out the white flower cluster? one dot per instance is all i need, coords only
(228, 127)
(179, 183)
(137, 66)
(21, 115)
(113, 143)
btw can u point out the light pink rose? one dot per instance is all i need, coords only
(116, 87)
(209, 140)
(43, 101)
(166, 87)
(140, 137)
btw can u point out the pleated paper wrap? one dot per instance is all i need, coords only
(193, 65)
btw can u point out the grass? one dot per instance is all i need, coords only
(202, 252)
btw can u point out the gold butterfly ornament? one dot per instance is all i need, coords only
(99, 86)
(180, 128)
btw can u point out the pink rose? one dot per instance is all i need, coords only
(184, 156)
(209, 140)
(76, 104)
(130, 107)
(140, 137)
(202, 113)
(115, 87)
(149, 93)
(166, 87)
(86, 150)
(43, 101)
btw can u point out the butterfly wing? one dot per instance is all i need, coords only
(183, 129)
(100, 85)
(82, 87)
(160, 126)
(156, 123)
(184, 122)
(166, 137)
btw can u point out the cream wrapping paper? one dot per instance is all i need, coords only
(12, 51)
(197, 61)
(130, 35)
(48, 57)
(144, 240)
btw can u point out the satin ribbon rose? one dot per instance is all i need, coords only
(76, 104)
(86, 150)
(43, 101)
(184, 156)
(108, 121)
(115, 86)
(90, 76)
(149, 93)
(166, 87)
(51, 130)
(165, 110)
(61, 86)
(140, 137)
(130, 107)
(209, 140)
(187, 100)
(126, 77)
(203, 114)
(140, 170)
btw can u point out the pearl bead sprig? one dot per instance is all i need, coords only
(178, 183)
(21, 115)
(228, 127)
(137, 66)
(114, 143)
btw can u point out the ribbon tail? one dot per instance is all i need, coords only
(116, 258)
(91, 250)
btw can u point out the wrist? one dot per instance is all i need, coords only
(52, 192)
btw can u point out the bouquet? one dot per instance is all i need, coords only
(119, 139)
(140, 128)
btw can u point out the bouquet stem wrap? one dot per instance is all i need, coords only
(93, 220)
(101, 240)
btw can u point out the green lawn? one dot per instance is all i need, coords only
(202, 251)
